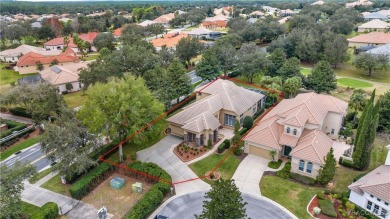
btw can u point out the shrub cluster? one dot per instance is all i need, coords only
(346, 163)
(50, 210)
(274, 164)
(327, 208)
(303, 179)
(226, 142)
(221, 148)
(20, 111)
(12, 126)
(320, 195)
(148, 203)
(285, 171)
(86, 184)
(247, 123)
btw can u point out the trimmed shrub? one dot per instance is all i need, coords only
(347, 163)
(221, 148)
(243, 131)
(12, 126)
(303, 179)
(275, 164)
(237, 151)
(327, 208)
(86, 183)
(247, 123)
(226, 142)
(285, 171)
(320, 195)
(50, 210)
(19, 111)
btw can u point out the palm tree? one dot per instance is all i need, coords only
(291, 85)
(357, 101)
(273, 154)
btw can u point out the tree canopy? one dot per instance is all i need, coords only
(322, 78)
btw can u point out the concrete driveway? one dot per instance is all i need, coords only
(249, 172)
(185, 206)
(162, 154)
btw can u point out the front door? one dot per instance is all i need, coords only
(287, 150)
(191, 137)
(201, 139)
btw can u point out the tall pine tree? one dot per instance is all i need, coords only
(326, 172)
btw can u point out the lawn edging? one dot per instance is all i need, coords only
(308, 205)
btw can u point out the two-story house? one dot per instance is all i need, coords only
(301, 128)
(218, 104)
(372, 191)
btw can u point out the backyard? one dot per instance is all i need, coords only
(350, 82)
(8, 76)
(226, 170)
(75, 99)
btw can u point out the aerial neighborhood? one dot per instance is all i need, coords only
(195, 109)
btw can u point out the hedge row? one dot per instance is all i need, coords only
(327, 208)
(345, 162)
(221, 148)
(285, 171)
(12, 126)
(50, 210)
(19, 111)
(149, 202)
(86, 184)
(303, 179)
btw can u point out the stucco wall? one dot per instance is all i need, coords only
(249, 144)
(76, 87)
(357, 199)
(295, 168)
(332, 121)
(362, 200)
(176, 130)
(54, 47)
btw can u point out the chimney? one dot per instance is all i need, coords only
(387, 162)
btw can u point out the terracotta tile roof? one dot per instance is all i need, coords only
(266, 133)
(313, 146)
(259, 13)
(290, 140)
(204, 121)
(165, 18)
(169, 40)
(376, 182)
(62, 74)
(24, 49)
(376, 23)
(146, 23)
(89, 37)
(217, 18)
(32, 58)
(373, 37)
(118, 32)
(297, 118)
(215, 24)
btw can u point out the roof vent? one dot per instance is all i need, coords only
(56, 69)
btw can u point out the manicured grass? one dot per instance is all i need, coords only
(8, 76)
(92, 56)
(226, 170)
(20, 146)
(75, 99)
(350, 82)
(305, 71)
(30, 211)
(349, 70)
(192, 27)
(54, 184)
(36, 177)
(275, 164)
(292, 196)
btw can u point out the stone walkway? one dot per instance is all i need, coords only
(249, 172)
(162, 154)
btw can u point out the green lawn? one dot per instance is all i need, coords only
(8, 76)
(226, 170)
(30, 211)
(350, 71)
(36, 177)
(54, 184)
(350, 82)
(75, 99)
(292, 196)
(20, 146)
(91, 56)
(305, 71)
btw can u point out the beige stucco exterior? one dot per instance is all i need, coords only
(260, 150)
(32, 68)
(360, 44)
(332, 121)
(366, 30)
(295, 168)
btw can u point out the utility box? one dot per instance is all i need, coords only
(117, 182)
(137, 187)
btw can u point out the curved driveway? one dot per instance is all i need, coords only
(185, 206)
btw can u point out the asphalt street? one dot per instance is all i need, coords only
(33, 155)
(188, 205)
(194, 77)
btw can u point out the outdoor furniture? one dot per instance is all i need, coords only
(117, 182)
(137, 187)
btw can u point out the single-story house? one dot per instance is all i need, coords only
(217, 18)
(13, 55)
(203, 33)
(59, 44)
(375, 15)
(318, 3)
(213, 25)
(146, 23)
(372, 191)
(60, 75)
(358, 3)
(256, 14)
(285, 13)
(28, 63)
(284, 20)
(369, 39)
(222, 11)
(381, 50)
(374, 25)
(301, 128)
(169, 40)
(218, 104)
(164, 19)
(270, 10)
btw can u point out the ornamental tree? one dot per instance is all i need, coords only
(322, 78)
(326, 172)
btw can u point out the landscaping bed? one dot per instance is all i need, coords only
(275, 164)
(117, 201)
(187, 153)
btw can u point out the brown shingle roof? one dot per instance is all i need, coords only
(373, 37)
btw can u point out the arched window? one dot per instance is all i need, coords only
(301, 165)
(295, 132)
(309, 167)
(288, 130)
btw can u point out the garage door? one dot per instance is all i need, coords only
(260, 152)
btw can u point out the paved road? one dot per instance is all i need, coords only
(249, 172)
(194, 77)
(33, 155)
(16, 118)
(185, 206)
(162, 154)
(171, 31)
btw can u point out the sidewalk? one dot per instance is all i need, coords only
(16, 118)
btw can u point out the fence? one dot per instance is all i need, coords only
(16, 134)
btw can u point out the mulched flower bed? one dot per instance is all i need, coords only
(215, 178)
(187, 153)
(336, 203)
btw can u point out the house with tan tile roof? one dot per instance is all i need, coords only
(60, 75)
(369, 39)
(169, 40)
(218, 104)
(164, 19)
(372, 191)
(301, 128)
(374, 25)
(13, 55)
(59, 42)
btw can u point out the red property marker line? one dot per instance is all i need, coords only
(102, 157)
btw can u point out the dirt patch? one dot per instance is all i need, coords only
(293, 195)
(117, 201)
(216, 176)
